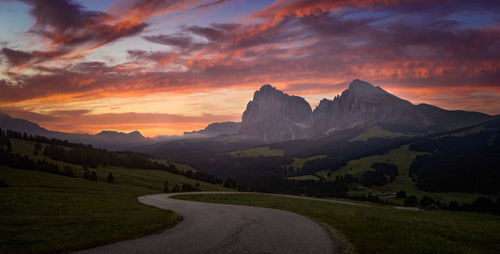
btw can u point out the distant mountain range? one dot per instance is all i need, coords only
(274, 116)
(216, 129)
(111, 140)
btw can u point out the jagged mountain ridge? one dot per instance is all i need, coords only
(274, 116)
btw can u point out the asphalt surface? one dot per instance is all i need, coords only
(218, 228)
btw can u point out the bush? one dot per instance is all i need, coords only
(165, 187)
(93, 176)
(426, 201)
(411, 201)
(68, 171)
(230, 183)
(110, 178)
(401, 194)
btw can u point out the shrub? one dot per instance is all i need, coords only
(110, 178)
(411, 201)
(93, 176)
(165, 187)
(68, 171)
(401, 194)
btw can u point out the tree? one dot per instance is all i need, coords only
(38, 147)
(426, 201)
(9, 145)
(230, 183)
(68, 171)
(93, 176)
(165, 187)
(86, 174)
(110, 178)
(411, 201)
(401, 194)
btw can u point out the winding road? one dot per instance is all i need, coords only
(218, 228)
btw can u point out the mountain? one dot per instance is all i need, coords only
(216, 129)
(274, 116)
(363, 104)
(21, 125)
(111, 140)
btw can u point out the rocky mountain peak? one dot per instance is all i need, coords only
(364, 88)
(275, 116)
(266, 92)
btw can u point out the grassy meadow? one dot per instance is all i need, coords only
(377, 132)
(257, 152)
(383, 229)
(46, 213)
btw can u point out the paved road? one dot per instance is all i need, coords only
(217, 228)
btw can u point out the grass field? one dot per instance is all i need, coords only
(377, 132)
(304, 178)
(42, 212)
(257, 152)
(299, 162)
(147, 178)
(402, 157)
(383, 229)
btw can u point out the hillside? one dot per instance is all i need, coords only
(51, 212)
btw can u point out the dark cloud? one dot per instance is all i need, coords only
(178, 40)
(160, 57)
(67, 23)
(18, 58)
(212, 4)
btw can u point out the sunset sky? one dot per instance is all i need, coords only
(164, 67)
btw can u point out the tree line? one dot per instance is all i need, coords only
(469, 163)
(88, 156)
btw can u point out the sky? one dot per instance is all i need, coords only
(165, 67)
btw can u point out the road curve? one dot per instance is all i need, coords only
(218, 228)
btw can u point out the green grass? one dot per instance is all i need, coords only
(299, 162)
(304, 178)
(377, 132)
(42, 212)
(402, 157)
(151, 179)
(257, 152)
(146, 178)
(179, 166)
(382, 229)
